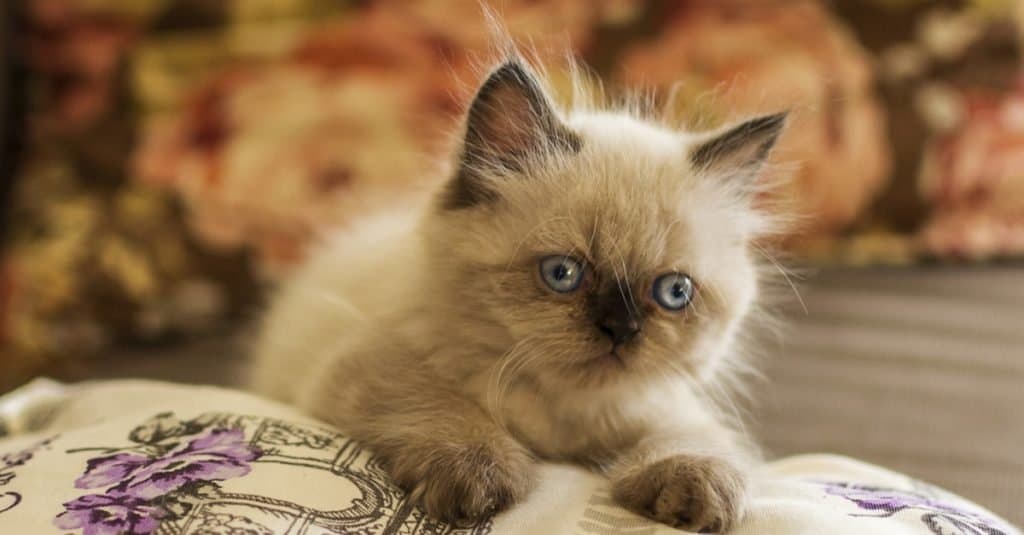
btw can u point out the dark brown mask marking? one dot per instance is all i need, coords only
(615, 316)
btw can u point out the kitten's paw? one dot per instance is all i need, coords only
(466, 485)
(703, 494)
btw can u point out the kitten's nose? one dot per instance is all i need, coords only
(619, 329)
(615, 316)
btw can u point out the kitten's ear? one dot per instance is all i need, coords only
(739, 150)
(510, 122)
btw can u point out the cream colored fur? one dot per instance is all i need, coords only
(428, 334)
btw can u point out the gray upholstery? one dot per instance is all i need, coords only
(921, 371)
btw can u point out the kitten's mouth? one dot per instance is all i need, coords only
(611, 358)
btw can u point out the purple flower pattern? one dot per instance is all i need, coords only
(155, 481)
(104, 471)
(111, 513)
(220, 454)
(940, 516)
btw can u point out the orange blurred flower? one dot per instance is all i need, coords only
(735, 58)
(973, 175)
(359, 114)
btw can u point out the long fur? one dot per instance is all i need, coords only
(427, 333)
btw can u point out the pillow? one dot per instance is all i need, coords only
(140, 457)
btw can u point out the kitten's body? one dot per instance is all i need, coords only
(429, 335)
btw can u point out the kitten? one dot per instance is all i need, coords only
(566, 296)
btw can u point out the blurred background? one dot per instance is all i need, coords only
(165, 162)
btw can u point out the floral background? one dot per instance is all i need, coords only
(179, 155)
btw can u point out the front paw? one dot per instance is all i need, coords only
(693, 493)
(464, 485)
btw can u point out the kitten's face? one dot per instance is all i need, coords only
(610, 253)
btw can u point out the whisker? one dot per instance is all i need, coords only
(782, 271)
(519, 244)
(629, 288)
(662, 239)
(494, 385)
(340, 302)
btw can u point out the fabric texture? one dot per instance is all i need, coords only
(142, 457)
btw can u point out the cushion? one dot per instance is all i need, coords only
(140, 457)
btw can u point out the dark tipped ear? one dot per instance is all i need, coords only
(740, 149)
(510, 120)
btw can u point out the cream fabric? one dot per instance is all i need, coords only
(148, 457)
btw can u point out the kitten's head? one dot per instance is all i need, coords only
(604, 248)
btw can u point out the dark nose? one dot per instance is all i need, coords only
(619, 329)
(614, 314)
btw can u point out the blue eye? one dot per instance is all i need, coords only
(562, 274)
(673, 291)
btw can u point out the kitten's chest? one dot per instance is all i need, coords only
(574, 427)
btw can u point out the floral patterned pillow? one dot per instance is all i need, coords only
(174, 459)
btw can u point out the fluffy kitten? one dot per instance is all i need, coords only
(567, 296)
